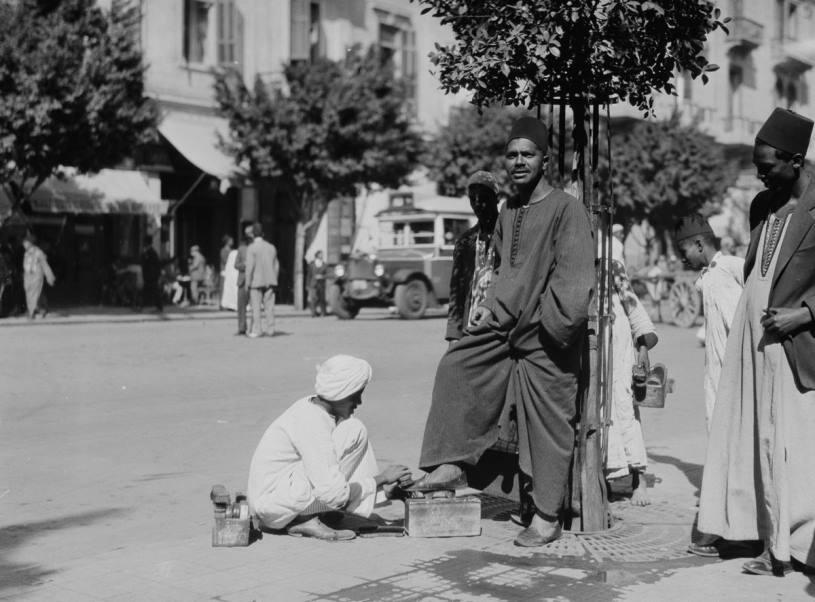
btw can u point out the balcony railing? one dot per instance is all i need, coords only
(745, 32)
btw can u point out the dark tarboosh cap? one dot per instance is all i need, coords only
(484, 178)
(786, 131)
(691, 226)
(531, 129)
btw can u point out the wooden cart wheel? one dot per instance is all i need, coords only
(684, 304)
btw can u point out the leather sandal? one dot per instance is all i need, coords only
(767, 565)
(530, 538)
(705, 551)
(315, 528)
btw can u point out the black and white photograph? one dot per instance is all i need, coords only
(407, 300)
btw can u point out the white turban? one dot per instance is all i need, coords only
(341, 376)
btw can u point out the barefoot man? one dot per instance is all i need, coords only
(525, 346)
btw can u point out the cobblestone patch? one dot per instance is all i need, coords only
(643, 545)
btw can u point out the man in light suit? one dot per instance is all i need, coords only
(262, 268)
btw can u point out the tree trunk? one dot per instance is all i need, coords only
(593, 494)
(299, 255)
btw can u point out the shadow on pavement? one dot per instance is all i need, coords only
(13, 575)
(693, 472)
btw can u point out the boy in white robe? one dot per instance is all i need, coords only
(316, 457)
(721, 283)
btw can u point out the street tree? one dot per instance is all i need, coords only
(663, 169)
(580, 54)
(71, 90)
(472, 140)
(339, 127)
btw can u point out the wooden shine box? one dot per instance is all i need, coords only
(443, 516)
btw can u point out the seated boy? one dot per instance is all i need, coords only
(316, 457)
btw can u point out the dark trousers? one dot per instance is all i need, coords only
(243, 299)
(316, 298)
(153, 294)
(475, 378)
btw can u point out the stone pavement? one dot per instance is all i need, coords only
(112, 432)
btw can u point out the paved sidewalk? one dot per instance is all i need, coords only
(112, 434)
(101, 314)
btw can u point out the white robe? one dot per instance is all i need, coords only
(721, 284)
(306, 463)
(758, 480)
(229, 296)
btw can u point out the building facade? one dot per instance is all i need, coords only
(183, 40)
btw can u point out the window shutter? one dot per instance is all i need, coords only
(300, 30)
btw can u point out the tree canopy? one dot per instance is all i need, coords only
(71, 90)
(335, 128)
(470, 141)
(534, 53)
(663, 169)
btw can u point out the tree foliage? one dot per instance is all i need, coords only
(340, 126)
(71, 90)
(532, 53)
(663, 169)
(470, 141)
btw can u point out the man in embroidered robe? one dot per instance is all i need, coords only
(473, 256)
(526, 345)
(758, 474)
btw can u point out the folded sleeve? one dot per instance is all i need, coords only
(564, 303)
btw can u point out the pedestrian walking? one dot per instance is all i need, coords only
(36, 271)
(317, 272)
(262, 268)
(240, 268)
(151, 275)
(316, 457)
(197, 271)
(757, 482)
(473, 257)
(633, 336)
(526, 345)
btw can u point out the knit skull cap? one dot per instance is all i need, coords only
(531, 129)
(691, 226)
(484, 178)
(341, 376)
(786, 131)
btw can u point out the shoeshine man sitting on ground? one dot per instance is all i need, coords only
(526, 345)
(316, 457)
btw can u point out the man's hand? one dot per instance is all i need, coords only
(393, 474)
(643, 359)
(783, 321)
(482, 316)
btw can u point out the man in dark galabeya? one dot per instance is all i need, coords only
(526, 342)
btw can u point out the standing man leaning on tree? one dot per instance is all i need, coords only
(526, 345)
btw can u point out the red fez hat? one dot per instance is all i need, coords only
(786, 131)
(531, 129)
(691, 226)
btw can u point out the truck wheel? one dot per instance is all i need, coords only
(411, 299)
(341, 308)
